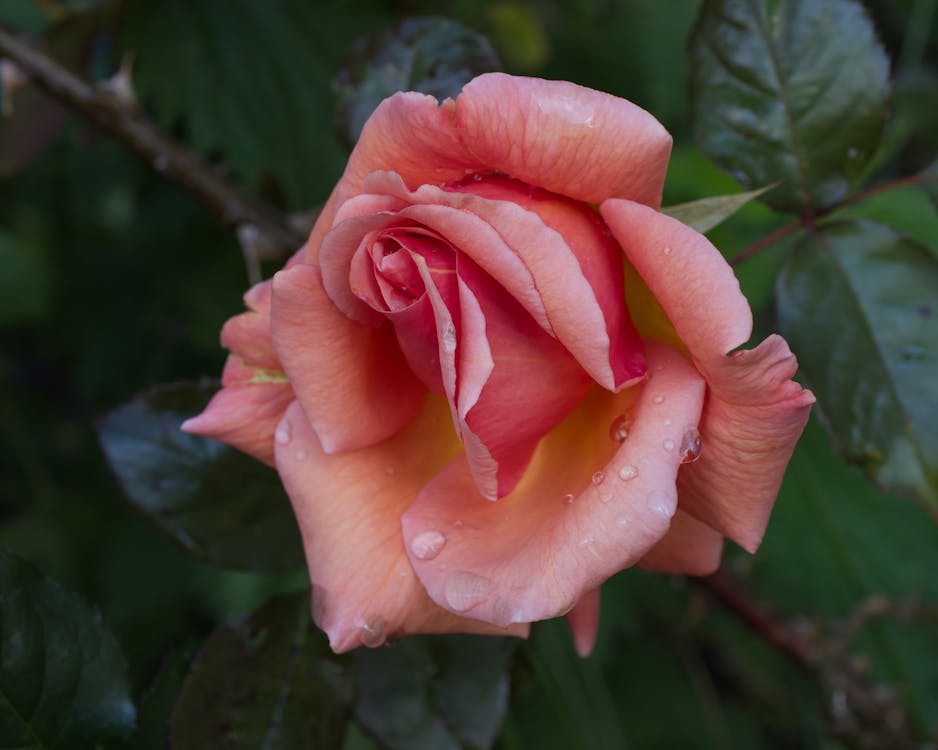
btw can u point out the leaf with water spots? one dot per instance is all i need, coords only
(858, 302)
(707, 213)
(266, 681)
(215, 502)
(789, 90)
(63, 680)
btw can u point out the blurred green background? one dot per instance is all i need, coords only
(112, 279)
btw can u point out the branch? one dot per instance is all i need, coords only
(126, 123)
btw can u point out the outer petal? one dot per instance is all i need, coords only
(687, 275)
(583, 620)
(535, 553)
(245, 412)
(348, 507)
(571, 140)
(350, 379)
(689, 547)
(753, 417)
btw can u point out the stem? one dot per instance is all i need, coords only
(773, 633)
(126, 123)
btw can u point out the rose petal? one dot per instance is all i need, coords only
(538, 551)
(690, 547)
(351, 379)
(751, 422)
(568, 139)
(583, 620)
(245, 412)
(687, 275)
(348, 508)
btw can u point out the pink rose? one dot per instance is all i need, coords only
(477, 419)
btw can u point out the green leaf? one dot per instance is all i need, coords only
(707, 213)
(157, 703)
(835, 541)
(789, 90)
(217, 503)
(434, 692)
(250, 82)
(435, 56)
(63, 681)
(24, 287)
(930, 182)
(858, 303)
(268, 681)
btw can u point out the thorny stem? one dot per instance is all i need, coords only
(800, 223)
(123, 120)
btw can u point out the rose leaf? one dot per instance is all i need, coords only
(789, 90)
(218, 504)
(63, 679)
(434, 691)
(707, 213)
(268, 680)
(435, 56)
(857, 302)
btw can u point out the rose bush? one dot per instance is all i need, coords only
(486, 377)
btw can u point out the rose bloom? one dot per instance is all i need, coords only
(496, 374)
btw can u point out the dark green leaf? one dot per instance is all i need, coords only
(707, 213)
(268, 681)
(23, 280)
(217, 503)
(859, 304)
(432, 55)
(834, 542)
(434, 692)
(63, 681)
(250, 82)
(930, 182)
(790, 90)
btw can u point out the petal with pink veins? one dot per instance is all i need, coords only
(348, 507)
(754, 415)
(585, 144)
(537, 551)
(687, 276)
(350, 379)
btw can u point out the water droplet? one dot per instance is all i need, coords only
(628, 472)
(390, 471)
(598, 477)
(619, 429)
(587, 540)
(371, 632)
(852, 153)
(668, 445)
(659, 399)
(667, 421)
(458, 524)
(606, 497)
(284, 432)
(667, 251)
(661, 502)
(623, 520)
(301, 454)
(427, 544)
(477, 177)
(449, 337)
(568, 499)
(690, 446)
(464, 590)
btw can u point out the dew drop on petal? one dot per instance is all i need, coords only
(619, 429)
(371, 632)
(668, 445)
(659, 399)
(568, 499)
(628, 472)
(599, 477)
(623, 520)
(301, 454)
(587, 540)
(284, 432)
(606, 497)
(449, 337)
(667, 251)
(662, 502)
(690, 446)
(464, 590)
(427, 545)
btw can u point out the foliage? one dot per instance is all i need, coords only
(112, 279)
